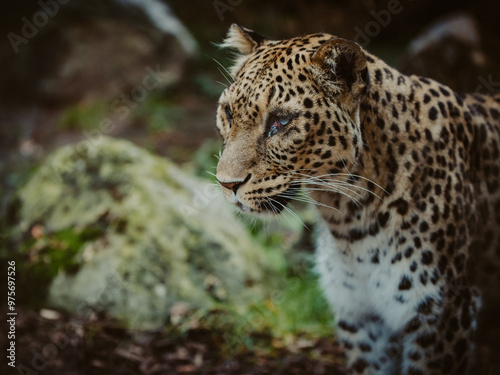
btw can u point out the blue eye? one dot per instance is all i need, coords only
(284, 120)
(278, 124)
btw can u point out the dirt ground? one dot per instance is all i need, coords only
(57, 344)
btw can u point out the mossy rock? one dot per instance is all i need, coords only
(114, 228)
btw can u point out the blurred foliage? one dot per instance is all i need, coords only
(154, 113)
(158, 113)
(296, 309)
(205, 159)
(83, 116)
(208, 86)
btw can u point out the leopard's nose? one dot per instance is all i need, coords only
(234, 185)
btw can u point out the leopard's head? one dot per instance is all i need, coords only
(290, 114)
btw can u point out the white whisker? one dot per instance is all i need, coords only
(230, 79)
(340, 175)
(320, 180)
(308, 199)
(222, 84)
(287, 209)
(334, 187)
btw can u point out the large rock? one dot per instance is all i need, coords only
(139, 235)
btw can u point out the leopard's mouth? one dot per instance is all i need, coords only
(271, 205)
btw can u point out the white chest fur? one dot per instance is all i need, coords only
(361, 280)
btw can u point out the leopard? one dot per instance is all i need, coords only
(404, 173)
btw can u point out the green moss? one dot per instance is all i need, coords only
(41, 259)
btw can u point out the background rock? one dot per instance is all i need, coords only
(450, 51)
(91, 49)
(113, 228)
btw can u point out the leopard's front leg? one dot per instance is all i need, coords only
(439, 340)
(369, 346)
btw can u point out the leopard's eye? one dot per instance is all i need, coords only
(277, 124)
(284, 120)
(229, 115)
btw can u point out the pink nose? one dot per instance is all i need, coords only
(232, 185)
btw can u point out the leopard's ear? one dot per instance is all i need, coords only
(341, 65)
(241, 39)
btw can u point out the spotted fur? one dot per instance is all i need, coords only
(405, 174)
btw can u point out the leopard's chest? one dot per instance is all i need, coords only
(368, 279)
